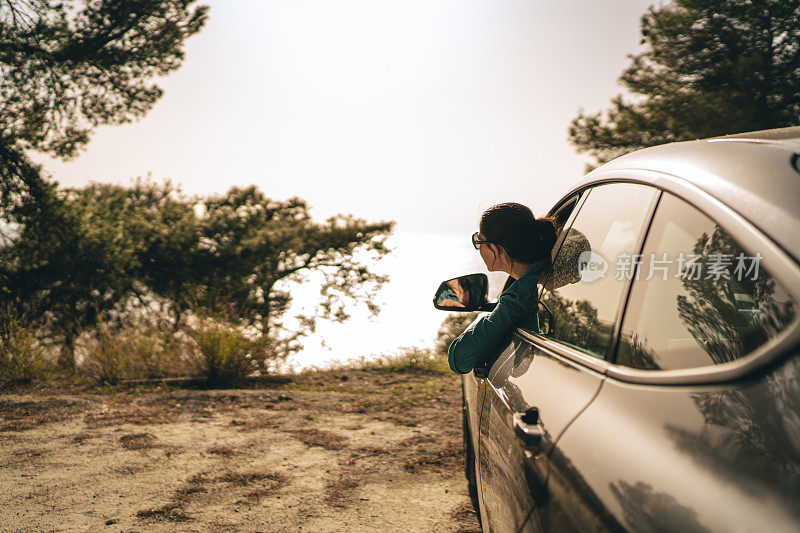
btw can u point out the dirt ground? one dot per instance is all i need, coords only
(326, 451)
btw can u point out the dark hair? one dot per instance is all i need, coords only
(524, 237)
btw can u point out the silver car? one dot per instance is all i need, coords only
(661, 389)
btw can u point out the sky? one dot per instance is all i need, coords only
(420, 111)
(424, 112)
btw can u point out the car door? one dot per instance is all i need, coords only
(688, 432)
(533, 391)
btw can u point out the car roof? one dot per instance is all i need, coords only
(785, 135)
(755, 174)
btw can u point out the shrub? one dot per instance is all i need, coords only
(137, 351)
(228, 355)
(22, 357)
(452, 326)
(107, 357)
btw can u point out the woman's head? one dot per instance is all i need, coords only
(513, 231)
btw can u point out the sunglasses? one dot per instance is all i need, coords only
(476, 241)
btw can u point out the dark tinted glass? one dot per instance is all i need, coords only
(562, 214)
(581, 297)
(699, 298)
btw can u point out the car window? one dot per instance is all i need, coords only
(698, 298)
(561, 215)
(584, 298)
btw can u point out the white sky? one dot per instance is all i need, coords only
(425, 112)
(420, 111)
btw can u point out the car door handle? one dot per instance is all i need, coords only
(527, 427)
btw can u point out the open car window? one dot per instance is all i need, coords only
(583, 297)
(562, 214)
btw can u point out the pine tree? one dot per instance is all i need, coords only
(69, 66)
(708, 68)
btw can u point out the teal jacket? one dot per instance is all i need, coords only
(514, 306)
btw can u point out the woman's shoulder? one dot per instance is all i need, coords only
(523, 287)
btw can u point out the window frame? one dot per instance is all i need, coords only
(582, 195)
(782, 267)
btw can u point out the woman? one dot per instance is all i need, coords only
(513, 241)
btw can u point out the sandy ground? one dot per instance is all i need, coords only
(354, 451)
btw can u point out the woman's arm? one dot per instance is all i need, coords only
(486, 334)
(450, 302)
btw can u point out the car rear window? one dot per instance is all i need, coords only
(698, 298)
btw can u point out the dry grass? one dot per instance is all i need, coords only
(245, 478)
(253, 424)
(20, 416)
(340, 492)
(319, 437)
(138, 441)
(427, 453)
(22, 357)
(167, 408)
(272, 482)
(175, 509)
(128, 470)
(417, 455)
(403, 397)
(222, 451)
(228, 355)
(363, 452)
(405, 360)
(172, 511)
(138, 417)
(137, 351)
(255, 496)
(83, 437)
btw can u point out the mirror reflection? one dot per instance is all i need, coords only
(465, 293)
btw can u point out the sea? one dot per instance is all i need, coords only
(417, 264)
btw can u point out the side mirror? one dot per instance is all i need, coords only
(465, 293)
(546, 320)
